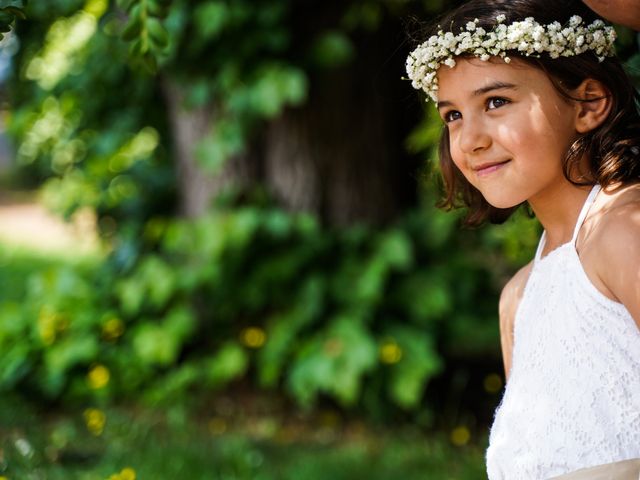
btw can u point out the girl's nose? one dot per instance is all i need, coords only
(473, 138)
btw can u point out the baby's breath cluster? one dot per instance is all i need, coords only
(526, 37)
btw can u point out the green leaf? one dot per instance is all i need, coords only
(333, 49)
(159, 279)
(283, 329)
(132, 29)
(64, 354)
(157, 33)
(228, 363)
(15, 364)
(424, 295)
(226, 139)
(131, 294)
(396, 249)
(180, 322)
(211, 18)
(155, 345)
(150, 62)
(418, 363)
(126, 5)
(334, 362)
(158, 9)
(275, 87)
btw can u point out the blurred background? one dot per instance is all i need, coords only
(220, 255)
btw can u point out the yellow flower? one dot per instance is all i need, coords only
(112, 329)
(253, 337)
(98, 377)
(217, 425)
(127, 473)
(47, 325)
(95, 420)
(460, 436)
(390, 352)
(50, 323)
(493, 383)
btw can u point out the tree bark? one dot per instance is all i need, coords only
(196, 186)
(341, 154)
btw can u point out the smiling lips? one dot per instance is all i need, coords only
(489, 167)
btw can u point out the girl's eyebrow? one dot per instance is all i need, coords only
(481, 91)
(494, 86)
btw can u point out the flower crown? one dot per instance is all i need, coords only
(526, 37)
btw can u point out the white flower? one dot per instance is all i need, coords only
(450, 62)
(527, 36)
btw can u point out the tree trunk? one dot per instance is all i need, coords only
(341, 154)
(197, 187)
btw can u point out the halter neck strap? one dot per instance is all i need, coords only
(581, 217)
(585, 209)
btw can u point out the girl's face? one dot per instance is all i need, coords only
(509, 128)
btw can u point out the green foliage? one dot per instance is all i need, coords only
(9, 11)
(247, 292)
(332, 49)
(144, 29)
(325, 314)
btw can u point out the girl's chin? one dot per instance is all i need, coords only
(502, 201)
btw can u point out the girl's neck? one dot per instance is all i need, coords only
(557, 210)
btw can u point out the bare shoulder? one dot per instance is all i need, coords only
(616, 225)
(615, 246)
(509, 301)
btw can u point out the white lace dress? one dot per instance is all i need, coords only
(573, 396)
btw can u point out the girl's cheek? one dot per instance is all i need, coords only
(456, 155)
(459, 164)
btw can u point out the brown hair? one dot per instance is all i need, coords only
(613, 148)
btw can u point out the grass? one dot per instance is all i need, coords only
(17, 264)
(175, 444)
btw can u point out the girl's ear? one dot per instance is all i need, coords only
(593, 106)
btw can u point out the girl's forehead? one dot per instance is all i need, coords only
(471, 74)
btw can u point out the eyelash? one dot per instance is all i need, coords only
(448, 119)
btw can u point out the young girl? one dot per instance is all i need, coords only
(538, 109)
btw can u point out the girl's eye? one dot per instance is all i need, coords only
(496, 102)
(451, 115)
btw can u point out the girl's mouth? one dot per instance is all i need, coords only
(488, 168)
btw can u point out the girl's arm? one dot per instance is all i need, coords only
(624, 12)
(509, 301)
